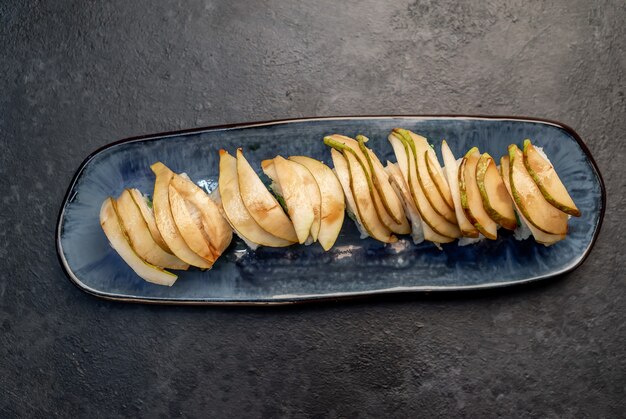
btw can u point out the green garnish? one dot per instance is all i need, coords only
(281, 201)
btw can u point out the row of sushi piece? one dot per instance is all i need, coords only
(468, 199)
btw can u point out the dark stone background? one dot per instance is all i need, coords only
(76, 75)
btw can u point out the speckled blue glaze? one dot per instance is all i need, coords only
(353, 266)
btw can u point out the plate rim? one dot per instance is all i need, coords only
(307, 298)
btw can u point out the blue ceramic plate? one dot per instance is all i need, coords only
(353, 266)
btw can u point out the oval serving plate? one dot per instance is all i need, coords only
(353, 266)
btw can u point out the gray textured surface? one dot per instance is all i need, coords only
(75, 76)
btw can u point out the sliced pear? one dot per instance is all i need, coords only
(216, 227)
(380, 179)
(236, 212)
(138, 234)
(420, 229)
(377, 191)
(165, 220)
(394, 202)
(332, 201)
(548, 181)
(540, 236)
(260, 202)
(270, 170)
(364, 203)
(470, 196)
(436, 174)
(529, 198)
(363, 193)
(148, 215)
(419, 146)
(406, 163)
(189, 226)
(315, 195)
(351, 145)
(296, 196)
(115, 234)
(308, 187)
(452, 174)
(396, 219)
(496, 199)
(342, 171)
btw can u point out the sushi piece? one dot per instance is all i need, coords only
(361, 189)
(420, 148)
(206, 213)
(138, 234)
(529, 199)
(522, 231)
(332, 206)
(342, 171)
(301, 194)
(452, 176)
(471, 200)
(439, 230)
(261, 204)
(236, 212)
(120, 243)
(388, 204)
(164, 216)
(496, 199)
(402, 189)
(547, 180)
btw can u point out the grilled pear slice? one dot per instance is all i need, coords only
(470, 196)
(165, 220)
(189, 226)
(332, 208)
(260, 202)
(406, 163)
(139, 237)
(529, 198)
(496, 199)
(118, 240)
(540, 236)
(380, 190)
(452, 174)
(148, 215)
(419, 146)
(362, 190)
(236, 212)
(216, 228)
(548, 181)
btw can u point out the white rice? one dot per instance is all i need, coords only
(248, 243)
(522, 232)
(354, 218)
(542, 153)
(465, 241)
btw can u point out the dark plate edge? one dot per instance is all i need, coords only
(331, 297)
